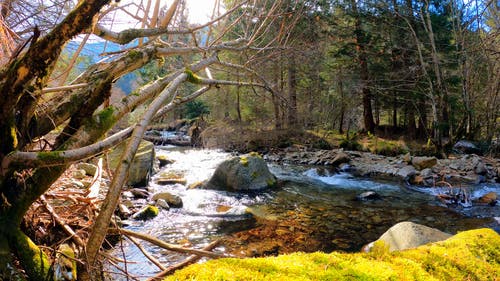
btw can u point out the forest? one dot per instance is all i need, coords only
(419, 78)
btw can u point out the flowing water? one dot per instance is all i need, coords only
(322, 203)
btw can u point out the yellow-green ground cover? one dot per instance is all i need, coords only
(469, 255)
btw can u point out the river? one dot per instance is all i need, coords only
(320, 203)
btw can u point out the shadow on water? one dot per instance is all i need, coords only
(313, 209)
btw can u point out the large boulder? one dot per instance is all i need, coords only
(245, 173)
(467, 147)
(141, 167)
(407, 235)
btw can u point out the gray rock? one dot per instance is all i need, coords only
(407, 235)
(368, 196)
(466, 147)
(139, 193)
(421, 163)
(173, 200)
(90, 169)
(241, 174)
(141, 167)
(407, 172)
(79, 174)
(163, 204)
(426, 173)
(480, 168)
(341, 158)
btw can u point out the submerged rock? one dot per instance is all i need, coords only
(368, 196)
(407, 235)
(245, 173)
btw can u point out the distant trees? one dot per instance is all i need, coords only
(425, 69)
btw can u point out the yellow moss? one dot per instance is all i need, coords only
(244, 161)
(470, 255)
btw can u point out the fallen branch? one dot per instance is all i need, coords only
(190, 260)
(146, 254)
(61, 222)
(165, 245)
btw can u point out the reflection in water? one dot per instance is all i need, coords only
(313, 201)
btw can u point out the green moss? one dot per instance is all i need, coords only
(255, 154)
(106, 118)
(271, 183)
(135, 55)
(33, 260)
(470, 255)
(49, 156)
(191, 77)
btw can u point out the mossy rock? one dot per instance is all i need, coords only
(469, 255)
(141, 167)
(146, 213)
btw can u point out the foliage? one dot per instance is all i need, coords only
(470, 255)
(196, 108)
(350, 142)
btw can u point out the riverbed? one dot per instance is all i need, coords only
(314, 205)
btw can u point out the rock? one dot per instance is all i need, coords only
(164, 160)
(141, 167)
(407, 158)
(489, 198)
(466, 147)
(421, 163)
(90, 169)
(196, 185)
(426, 173)
(146, 213)
(407, 235)
(77, 184)
(124, 210)
(368, 196)
(79, 174)
(139, 193)
(480, 168)
(170, 178)
(242, 173)
(173, 201)
(162, 203)
(340, 158)
(407, 172)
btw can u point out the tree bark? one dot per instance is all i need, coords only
(368, 121)
(292, 93)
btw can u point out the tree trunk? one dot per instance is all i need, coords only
(292, 93)
(368, 121)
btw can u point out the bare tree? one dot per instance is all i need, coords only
(28, 111)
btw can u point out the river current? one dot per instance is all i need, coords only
(322, 201)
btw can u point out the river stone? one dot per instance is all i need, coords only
(163, 204)
(407, 235)
(466, 147)
(79, 174)
(489, 198)
(407, 172)
(90, 169)
(173, 201)
(423, 162)
(141, 167)
(243, 173)
(340, 158)
(164, 160)
(368, 196)
(480, 168)
(146, 213)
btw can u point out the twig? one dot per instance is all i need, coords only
(61, 222)
(165, 245)
(190, 260)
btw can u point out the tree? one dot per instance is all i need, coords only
(83, 112)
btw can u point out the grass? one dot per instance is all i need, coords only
(470, 255)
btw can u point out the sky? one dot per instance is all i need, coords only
(198, 12)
